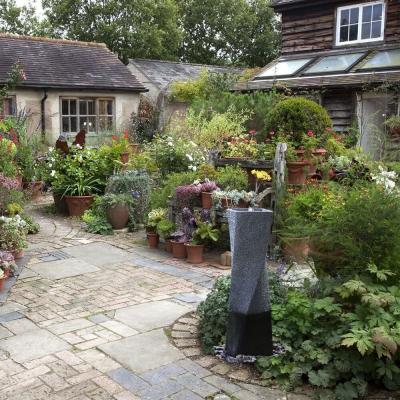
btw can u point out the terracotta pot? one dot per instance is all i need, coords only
(36, 189)
(297, 172)
(296, 249)
(300, 153)
(60, 203)
(77, 205)
(319, 152)
(168, 245)
(2, 280)
(134, 148)
(178, 249)
(225, 202)
(243, 204)
(206, 200)
(395, 131)
(124, 157)
(19, 179)
(194, 253)
(152, 240)
(118, 216)
(18, 254)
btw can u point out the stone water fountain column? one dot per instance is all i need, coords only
(249, 327)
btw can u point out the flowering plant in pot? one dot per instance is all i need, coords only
(153, 218)
(121, 145)
(203, 235)
(13, 233)
(184, 234)
(7, 263)
(117, 207)
(233, 198)
(297, 168)
(188, 195)
(165, 228)
(241, 147)
(207, 188)
(393, 124)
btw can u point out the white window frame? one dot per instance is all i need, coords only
(360, 13)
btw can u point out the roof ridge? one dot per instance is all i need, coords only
(52, 40)
(185, 63)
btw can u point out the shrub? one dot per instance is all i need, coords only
(95, 219)
(232, 177)
(296, 116)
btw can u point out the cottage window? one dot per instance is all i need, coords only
(93, 115)
(9, 107)
(360, 23)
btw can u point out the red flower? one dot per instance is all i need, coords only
(310, 133)
(329, 129)
(252, 132)
(1, 137)
(114, 137)
(126, 135)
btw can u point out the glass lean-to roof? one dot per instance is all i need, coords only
(336, 63)
(383, 59)
(284, 68)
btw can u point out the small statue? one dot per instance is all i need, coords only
(62, 145)
(80, 139)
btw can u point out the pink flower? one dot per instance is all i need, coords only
(310, 133)
(272, 133)
(252, 132)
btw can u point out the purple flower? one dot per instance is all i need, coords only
(209, 186)
(8, 183)
(205, 215)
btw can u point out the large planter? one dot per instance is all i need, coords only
(194, 253)
(118, 216)
(297, 172)
(124, 157)
(168, 245)
(36, 189)
(60, 203)
(296, 249)
(178, 249)
(249, 330)
(77, 205)
(206, 200)
(153, 239)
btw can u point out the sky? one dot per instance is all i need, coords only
(36, 3)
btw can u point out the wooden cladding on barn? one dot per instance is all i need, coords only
(313, 27)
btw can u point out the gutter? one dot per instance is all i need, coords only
(42, 111)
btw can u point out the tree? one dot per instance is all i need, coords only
(241, 32)
(130, 28)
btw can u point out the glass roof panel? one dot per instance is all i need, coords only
(336, 63)
(284, 68)
(384, 59)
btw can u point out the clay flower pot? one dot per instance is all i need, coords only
(18, 254)
(243, 204)
(60, 203)
(206, 200)
(118, 216)
(178, 249)
(152, 240)
(168, 245)
(297, 172)
(194, 253)
(124, 157)
(296, 249)
(77, 205)
(36, 189)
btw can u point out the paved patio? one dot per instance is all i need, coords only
(87, 317)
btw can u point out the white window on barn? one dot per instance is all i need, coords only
(9, 107)
(92, 114)
(360, 23)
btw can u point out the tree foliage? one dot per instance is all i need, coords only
(238, 32)
(130, 28)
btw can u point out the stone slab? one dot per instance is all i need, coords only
(143, 352)
(4, 333)
(33, 344)
(19, 326)
(98, 254)
(63, 268)
(147, 316)
(27, 273)
(69, 326)
(10, 307)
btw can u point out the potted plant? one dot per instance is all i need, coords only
(121, 144)
(153, 218)
(13, 235)
(118, 208)
(7, 263)
(233, 198)
(204, 234)
(178, 240)
(206, 193)
(297, 168)
(188, 195)
(165, 228)
(393, 124)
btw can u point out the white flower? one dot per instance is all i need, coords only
(53, 173)
(80, 158)
(194, 168)
(190, 158)
(170, 144)
(50, 165)
(51, 149)
(78, 146)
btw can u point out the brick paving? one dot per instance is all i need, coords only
(71, 333)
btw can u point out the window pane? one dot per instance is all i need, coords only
(344, 33)
(366, 31)
(83, 123)
(377, 13)
(354, 16)
(367, 14)
(64, 107)
(284, 68)
(82, 107)
(335, 63)
(110, 123)
(376, 30)
(91, 124)
(345, 17)
(72, 107)
(390, 58)
(65, 124)
(110, 107)
(102, 107)
(74, 124)
(91, 107)
(353, 32)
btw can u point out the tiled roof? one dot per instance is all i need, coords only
(162, 73)
(58, 63)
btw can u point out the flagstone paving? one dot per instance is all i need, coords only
(87, 317)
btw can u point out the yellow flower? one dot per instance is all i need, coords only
(261, 175)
